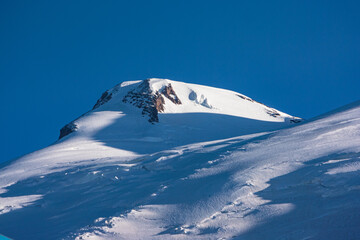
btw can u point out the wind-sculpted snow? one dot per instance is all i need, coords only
(193, 175)
(298, 183)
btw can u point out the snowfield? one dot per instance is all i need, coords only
(217, 166)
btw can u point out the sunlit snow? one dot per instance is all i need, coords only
(218, 166)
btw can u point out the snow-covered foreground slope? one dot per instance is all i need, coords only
(200, 170)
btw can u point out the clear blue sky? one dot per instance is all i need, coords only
(57, 57)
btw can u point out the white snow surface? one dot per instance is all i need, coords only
(215, 167)
(198, 99)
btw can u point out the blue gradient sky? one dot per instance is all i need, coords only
(57, 57)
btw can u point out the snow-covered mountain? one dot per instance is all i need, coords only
(179, 113)
(160, 159)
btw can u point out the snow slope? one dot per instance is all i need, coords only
(207, 169)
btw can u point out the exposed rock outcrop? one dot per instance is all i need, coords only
(159, 102)
(151, 97)
(296, 120)
(67, 129)
(169, 92)
(245, 98)
(272, 112)
(151, 102)
(105, 97)
(143, 98)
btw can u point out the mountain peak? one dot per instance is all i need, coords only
(154, 97)
(207, 168)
